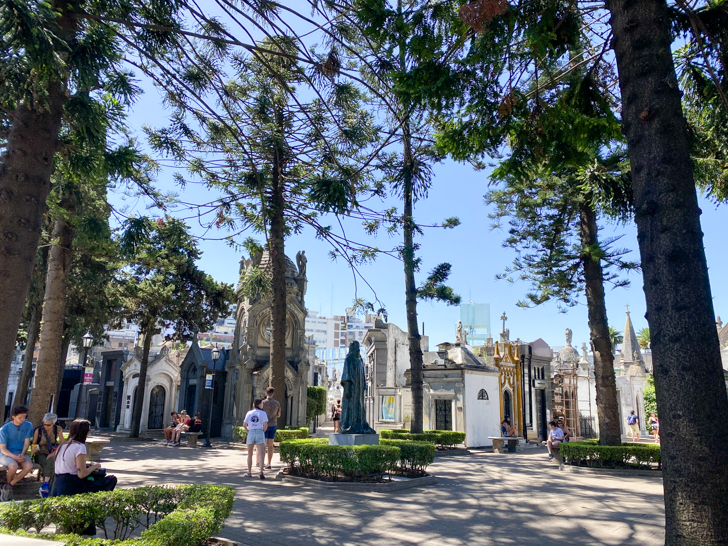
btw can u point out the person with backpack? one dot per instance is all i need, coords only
(336, 415)
(47, 438)
(634, 424)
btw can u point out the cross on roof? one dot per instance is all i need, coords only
(504, 318)
(627, 306)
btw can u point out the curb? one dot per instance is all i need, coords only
(361, 487)
(617, 473)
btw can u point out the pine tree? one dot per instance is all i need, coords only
(163, 291)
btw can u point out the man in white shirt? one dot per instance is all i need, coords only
(256, 423)
(556, 436)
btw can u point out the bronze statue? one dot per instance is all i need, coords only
(353, 411)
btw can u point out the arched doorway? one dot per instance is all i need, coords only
(156, 408)
(507, 406)
(191, 394)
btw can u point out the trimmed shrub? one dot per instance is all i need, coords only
(314, 458)
(288, 433)
(315, 403)
(166, 513)
(626, 455)
(444, 438)
(414, 457)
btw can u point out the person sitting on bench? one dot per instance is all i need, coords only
(507, 429)
(195, 425)
(170, 429)
(184, 420)
(556, 436)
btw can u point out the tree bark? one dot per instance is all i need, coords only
(408, 258)
(62, 366)
(25, 173)
(136, 417)
(49, 365)
(276, 248)
(21, 392)
(689, 383)
(606, 385)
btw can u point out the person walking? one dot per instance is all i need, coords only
(272, 408)
(634, 424)
(15, 436)
(556, 436)
(256, 423)
(337, 415)
(654, 422)
(46, 440)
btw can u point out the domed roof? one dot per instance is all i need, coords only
(568, 353)
(291, 269)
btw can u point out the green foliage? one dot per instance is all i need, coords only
(643, 338)
(615, 336)
(285, 434)
(444, 438)
(316, 459)
(648, 395)
(414, 457)
(185, 515)
(626, 455)
(315, 403)
(435, 287)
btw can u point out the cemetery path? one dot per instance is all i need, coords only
(480, 499)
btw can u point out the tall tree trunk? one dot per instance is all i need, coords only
(21, 392)
(49, 365)
(408, 258)
(136, 417)
(606, 385)
(276, 248)
(25, 174)
(689, 382)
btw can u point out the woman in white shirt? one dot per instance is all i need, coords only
(71, 467)
(256, 423)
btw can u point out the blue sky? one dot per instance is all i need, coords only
(473, 249)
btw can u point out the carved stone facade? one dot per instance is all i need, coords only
(248, 369)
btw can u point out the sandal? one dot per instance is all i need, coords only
(262, 476)
(247, 475)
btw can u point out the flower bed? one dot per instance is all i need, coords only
(316, 459)
(627, 455)
(186, 515)
(282, 435)
(442, 438)
(414, 457)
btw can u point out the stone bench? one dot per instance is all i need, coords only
(36, 468)
(498, 442)
(94, 447)
(192, 438)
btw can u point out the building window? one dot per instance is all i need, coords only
(387, 409)
(482, 395)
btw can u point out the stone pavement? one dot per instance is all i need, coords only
(480, 499)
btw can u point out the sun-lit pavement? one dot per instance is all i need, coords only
(480, 499)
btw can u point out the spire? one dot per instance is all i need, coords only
(630, 348)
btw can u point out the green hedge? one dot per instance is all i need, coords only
(186, 515)
(288, 433)
(628, 454)
(314, 458)
(315, 403)
(414, 457)
(445, 438)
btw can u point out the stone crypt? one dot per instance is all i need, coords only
(249, 364)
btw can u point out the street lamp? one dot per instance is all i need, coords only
(88, 340)
(210, 384)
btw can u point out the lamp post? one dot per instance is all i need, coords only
(210, 380)
(88, 340)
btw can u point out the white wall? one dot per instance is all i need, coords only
(482, 418)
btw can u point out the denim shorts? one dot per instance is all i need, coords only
(255, 436)
(5, 460)
(270, 433)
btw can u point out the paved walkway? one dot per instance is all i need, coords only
(480, 499)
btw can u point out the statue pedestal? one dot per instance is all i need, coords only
(353, 439)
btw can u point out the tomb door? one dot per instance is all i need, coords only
(443, 414)
(156, 408)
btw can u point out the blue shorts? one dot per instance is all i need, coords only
(255, 436)
(270, 433)
(5, 460)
